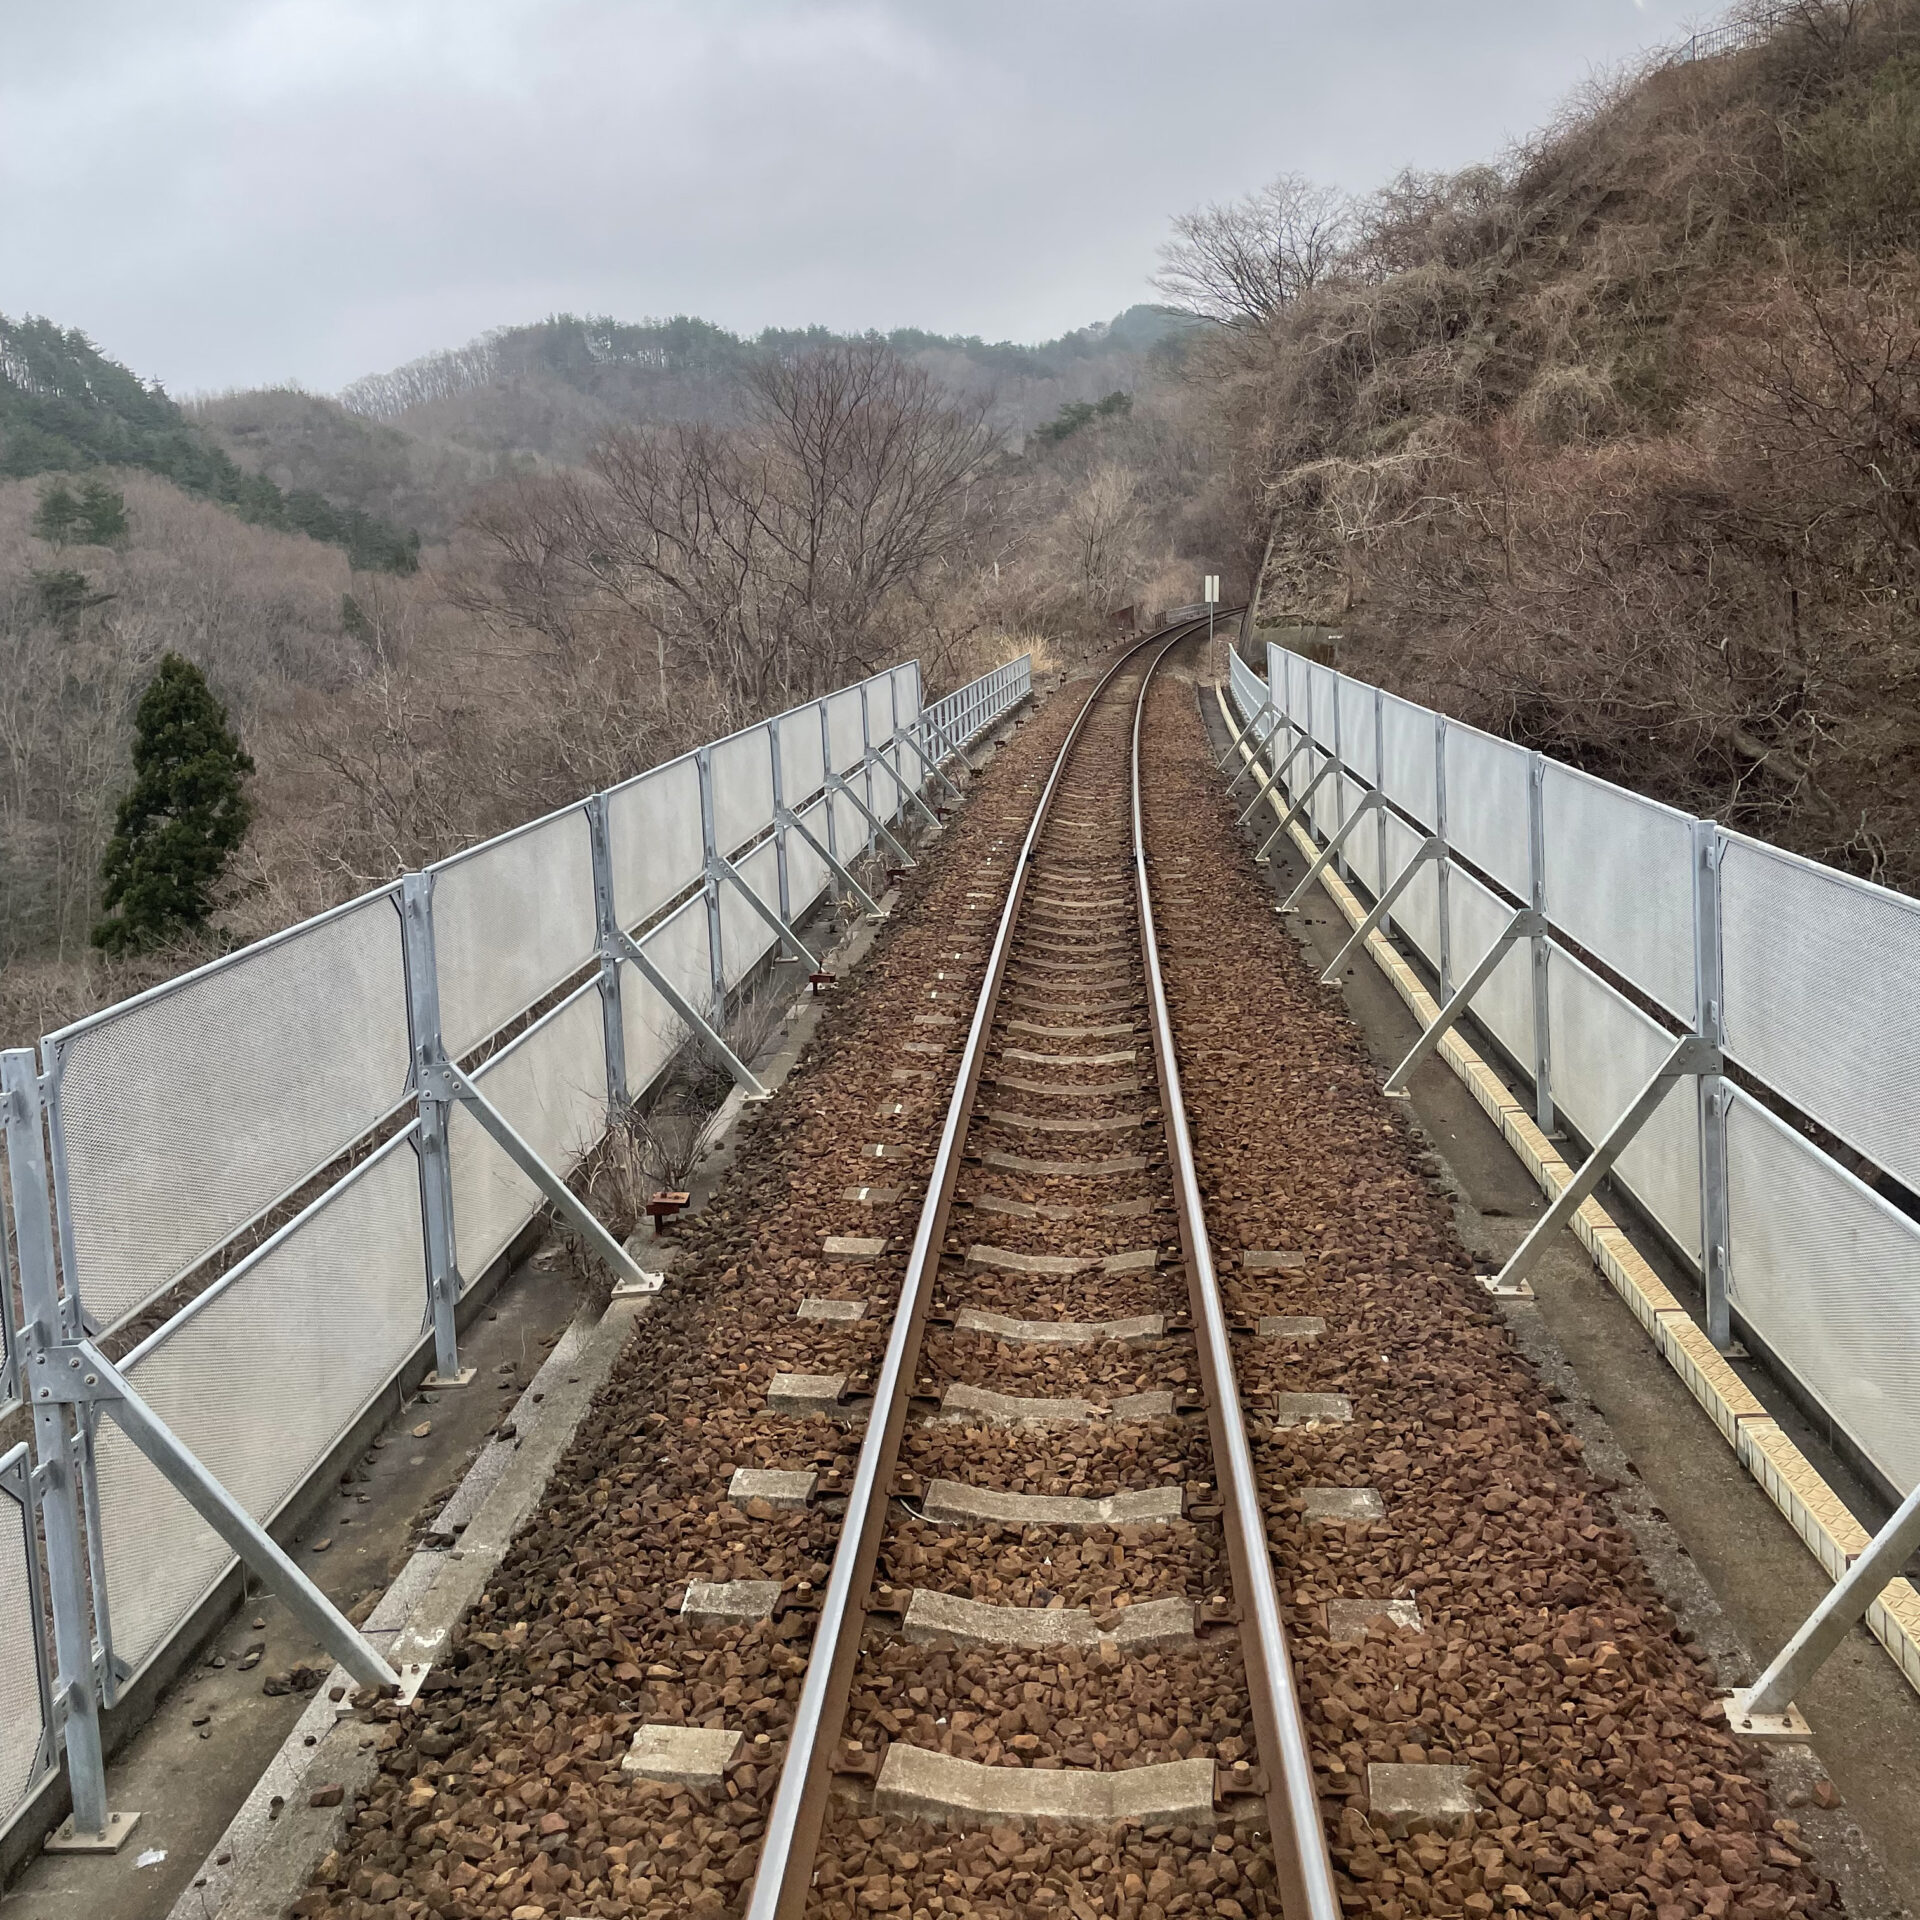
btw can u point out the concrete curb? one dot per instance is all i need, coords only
(1816, 1513)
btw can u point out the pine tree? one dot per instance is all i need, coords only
(100, 514)
(54, 517)
(184, 817)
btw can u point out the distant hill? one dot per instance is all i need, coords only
(411, 445)
(65, 406)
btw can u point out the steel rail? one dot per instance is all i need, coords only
(1301, 1865)
(785, 1868)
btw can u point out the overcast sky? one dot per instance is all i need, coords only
(231, 192)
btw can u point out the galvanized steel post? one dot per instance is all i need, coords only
(1380, 815)
(433, 1145)
(613, 1026)
(1537, 868)
(1445, 869)
(710, 878)
(52, 1321)
(1715, 1091)
(780, 832)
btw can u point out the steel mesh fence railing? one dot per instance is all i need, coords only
(1653, 927)
(182, 1120)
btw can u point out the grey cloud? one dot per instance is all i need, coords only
(223, 192)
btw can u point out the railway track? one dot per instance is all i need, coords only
(1052, 1607)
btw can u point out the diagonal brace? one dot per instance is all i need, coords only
(794, 823)
(1691, 1055)
(878, 765)
(1524, 925)
(840, 787)
(1327, 766)
(1252, 740)
(1270, 783)
(81, 1373)
(565, 1201)
(728, 871)
(1431, 848)
(1325, 857)
(703, 1029)
(903, 736)
(1843, 1606)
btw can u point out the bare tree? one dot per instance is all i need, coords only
(769, 561)
(1241, 263)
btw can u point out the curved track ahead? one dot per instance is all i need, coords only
(1036, 1264)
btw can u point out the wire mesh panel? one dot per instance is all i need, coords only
(845, 741)
(807, 873)
(24, 1747)
(1417, 912)
(1487, 805)
(1407, 770)
(654, 1032)
(906, 693)
(1604, 1051)
(653, 838)
(1504, 1004)
(744, 934)
(1246, 687)
(802, 763)
(1322, 682)
(850, 829)
(1823, 1270)
(551, 1084)
(1823, 995)
(511, 920)
(1356, 728)
(1363, 843)
(1620, 881)
(182, 1115)
(258, 1379)
(742, 769)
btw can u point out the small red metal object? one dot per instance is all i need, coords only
(818, 980)
(893, 875)
(663, 1206)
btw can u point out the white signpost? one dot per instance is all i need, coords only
(1212, 597)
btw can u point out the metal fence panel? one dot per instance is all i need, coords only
(845, 742)
(1363, 843)
(807, 874)
(1620, 881)
(1504, 1005)
(1407, 777)
(23, 1643)
(1416, 914)
(551, 1083)
(511, 920)
(653, 836)
(1356, 729)
(1823, 996)
(742, 768)
(851, 832)
(802, 762)
(906, 694)
(1604, 1051)
(679, 948)
(1487, 805)
(1823, 1270)
(1321, 683)
(258, 1379)
(183, 1115)
(1246, 686)
(744, 935)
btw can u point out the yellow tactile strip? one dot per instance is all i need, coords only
(1818, 1514)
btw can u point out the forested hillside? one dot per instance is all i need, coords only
(65, 406)
(1615, 446)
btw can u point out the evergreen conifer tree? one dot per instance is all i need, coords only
(100, 514)
(186, 813)
(54, 517)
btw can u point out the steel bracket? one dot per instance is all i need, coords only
(697, 1022)
(728, 871)
(1330, 852)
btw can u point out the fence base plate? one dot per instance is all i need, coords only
(119, 1831)
(464, 1378)
(1507, 1289)
(1747, 1725)
(648, 1283)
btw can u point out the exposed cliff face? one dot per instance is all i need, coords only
(1617, 449)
